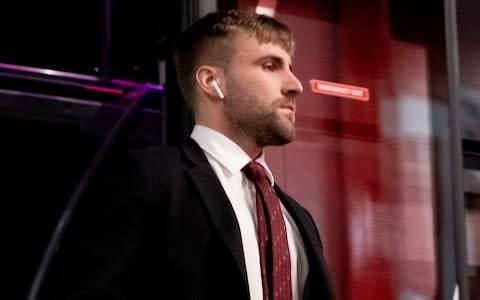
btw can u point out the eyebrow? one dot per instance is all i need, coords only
(277, 59)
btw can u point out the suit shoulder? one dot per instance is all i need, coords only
(156, 154)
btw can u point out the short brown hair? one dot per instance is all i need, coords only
(207, 42)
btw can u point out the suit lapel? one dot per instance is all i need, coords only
(311, 240)
(216, 202)
(224, 219)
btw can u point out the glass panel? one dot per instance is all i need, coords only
(370, 171)
(469, 59)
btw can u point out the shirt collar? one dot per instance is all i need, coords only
(225, 151)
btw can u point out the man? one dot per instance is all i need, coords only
(198, 221)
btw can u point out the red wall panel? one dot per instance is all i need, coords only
(364, 169)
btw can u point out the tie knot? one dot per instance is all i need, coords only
(254, 171)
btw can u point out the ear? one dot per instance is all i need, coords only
(205, 76)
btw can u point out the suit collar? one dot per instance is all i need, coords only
(220, 148)
(216, 202)
(225, 151)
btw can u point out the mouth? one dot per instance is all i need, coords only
(289, 107)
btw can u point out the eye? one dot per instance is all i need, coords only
(270, 66)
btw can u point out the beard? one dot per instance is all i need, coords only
(251, 117)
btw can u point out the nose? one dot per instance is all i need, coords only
(293, 87)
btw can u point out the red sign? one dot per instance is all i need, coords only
(339, 90)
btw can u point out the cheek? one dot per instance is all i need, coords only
(265, 83)
(259, 82)
(265, 95)
(254, 90)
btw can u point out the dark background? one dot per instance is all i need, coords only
(46, 146)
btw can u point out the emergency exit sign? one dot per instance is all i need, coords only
(339, 90)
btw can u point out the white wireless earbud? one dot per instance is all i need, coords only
(216, 87)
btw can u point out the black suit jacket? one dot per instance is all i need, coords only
(157, 224)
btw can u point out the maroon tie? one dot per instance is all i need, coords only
(272, 237)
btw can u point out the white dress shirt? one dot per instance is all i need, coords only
(227, 160)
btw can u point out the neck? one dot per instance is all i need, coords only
(242, 140)
(214, 118)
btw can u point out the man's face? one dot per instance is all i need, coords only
(261, 92)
